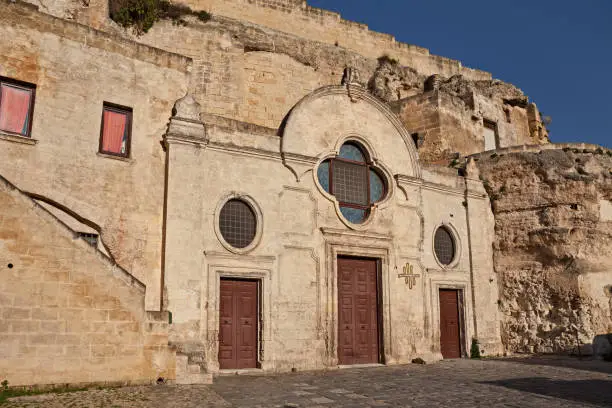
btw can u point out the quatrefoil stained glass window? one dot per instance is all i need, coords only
(352, 179)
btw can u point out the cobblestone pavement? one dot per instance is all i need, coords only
(544, 382)
(158, 396)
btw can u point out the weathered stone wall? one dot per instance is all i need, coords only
(328, 27)
(273, 82)
(553, 245)
(124, 198)
(248, 73)
(68, 314)
(449, 116)
(302, 233)
(295, 18)
(252, 64)
(252, 74)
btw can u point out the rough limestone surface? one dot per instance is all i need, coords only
(67, 313)
(60, 162)
(495, 89)
(553, 246)
(392, 81)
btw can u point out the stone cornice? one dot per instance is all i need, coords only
(443, 188)
(216, 255)
(334, 232)
(404, 181)
(454, 191)
(233, 125)
(298, 164)
(185, 131)
(244, 150)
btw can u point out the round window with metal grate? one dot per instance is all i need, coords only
(444, 246)
(237, 223)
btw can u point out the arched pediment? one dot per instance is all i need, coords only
(320, 121)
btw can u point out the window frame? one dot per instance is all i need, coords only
(86, 236)
(113, 107)
(221, 223)
(259, 222)
(450, 230)
(491, 125)
(367, 165)
(27, 86)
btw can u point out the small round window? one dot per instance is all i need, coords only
(353, 180)
(237, 223)
(444, 246)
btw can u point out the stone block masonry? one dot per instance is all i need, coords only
(68, 314)
(76, 69)
(297, 18)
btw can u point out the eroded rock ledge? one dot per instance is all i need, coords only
(553, 245)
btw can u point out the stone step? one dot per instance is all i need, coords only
(187, 373)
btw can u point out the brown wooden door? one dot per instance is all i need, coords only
(450, 337)
(357, 311)
(238, 324)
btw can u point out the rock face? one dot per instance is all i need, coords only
(553, 246)
(464, 89)
(392, 82)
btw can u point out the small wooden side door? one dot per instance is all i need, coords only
(450, 332)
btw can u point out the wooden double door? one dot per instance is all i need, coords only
(358, 311)
(238, 315)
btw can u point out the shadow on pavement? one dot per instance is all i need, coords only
(585, 363)
(597, 392)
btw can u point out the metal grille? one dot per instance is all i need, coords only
(237, 223)
(444, 246)
(350, 183)
(92, 239)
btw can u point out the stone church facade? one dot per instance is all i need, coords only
(250, 193)
(305, 235)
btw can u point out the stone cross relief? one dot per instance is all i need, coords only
(409, 275)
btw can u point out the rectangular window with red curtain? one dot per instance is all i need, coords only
(116, 130)
(16, 106)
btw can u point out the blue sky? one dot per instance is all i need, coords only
(559, 52)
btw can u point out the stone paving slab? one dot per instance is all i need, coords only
(454, 383)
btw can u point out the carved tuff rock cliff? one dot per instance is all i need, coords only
(392, 82)
(494, 89)
(553, 246)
